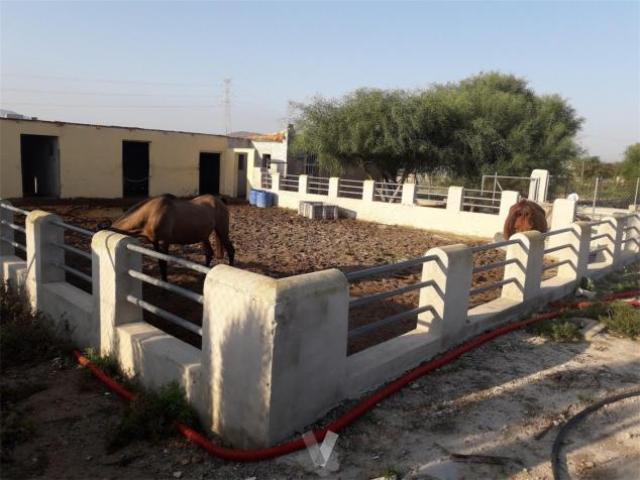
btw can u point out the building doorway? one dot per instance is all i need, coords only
(242, 175)
(209, 173)
(135, 169)
(40, 166)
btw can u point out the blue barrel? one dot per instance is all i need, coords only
(253, 194)
(264, 199)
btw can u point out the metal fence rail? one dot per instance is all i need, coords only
(289, 183)
(183, 292)
(479, 199)
(265, 180)
(165, 315)
(74, 251)
(318, 185)
(348, 188)
(437, 195)
(388, 267)
(169, 258)
(388, 192)
(13, 226)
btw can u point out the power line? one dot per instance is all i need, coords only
(77, 79)
(106, 94)
(23, 104)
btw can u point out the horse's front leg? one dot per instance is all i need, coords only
(162, 247)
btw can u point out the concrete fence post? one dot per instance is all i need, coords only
(302, 184)
(538, 188)
(632, 234)
(508, 198)
(612, 242)
(334, 186)
(274, 352)
(528, 254)
(275, 181)
(455, 196)
(449, 296)
(408, 193)
(111, 261)
(563, 213)
(367, 190)
(6, 232)
(576, 254)
(42, 256)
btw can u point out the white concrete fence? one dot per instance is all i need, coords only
(274, 351)
(454, 209)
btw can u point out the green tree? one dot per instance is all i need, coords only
(630, 168)
(486, 123)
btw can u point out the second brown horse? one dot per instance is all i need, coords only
(166, 220)
(524, 216)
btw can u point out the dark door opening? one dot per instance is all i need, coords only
(135, 169)
(242, 175)
(40, 166)
(209, 173)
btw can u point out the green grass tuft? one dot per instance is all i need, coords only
(622, 319)
(558, 330)
(150, 416)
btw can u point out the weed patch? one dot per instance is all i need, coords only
(150, 416)
(26, 337)
(622, 319)
(558, 330)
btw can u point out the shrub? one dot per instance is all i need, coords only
(150, 416)
(26, 337)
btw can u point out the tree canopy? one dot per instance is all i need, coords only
(631, 164)
(486, 123)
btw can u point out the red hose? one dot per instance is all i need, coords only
(365, 405)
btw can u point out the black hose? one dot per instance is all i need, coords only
(557, 443)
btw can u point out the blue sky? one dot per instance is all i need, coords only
(162, 64)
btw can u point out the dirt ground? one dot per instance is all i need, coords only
(501, 404)
(279, 243)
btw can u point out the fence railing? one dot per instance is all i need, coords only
(348, 188)
(289, 182)
(431, 196)
(77, 260)
(242, 312)
(318, 185)
(479, 200)
(181, 291)
(388, 192)
(9, 228)
(265, 180)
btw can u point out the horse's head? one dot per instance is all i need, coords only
(523, 217)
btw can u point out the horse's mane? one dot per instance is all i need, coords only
(529, 208)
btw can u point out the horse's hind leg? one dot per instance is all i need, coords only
(231, 252)
(224, 243)
(208, 252)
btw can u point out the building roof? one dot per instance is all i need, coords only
(60, 123)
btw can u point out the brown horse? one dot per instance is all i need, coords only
(524, 216)
(165, 219)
